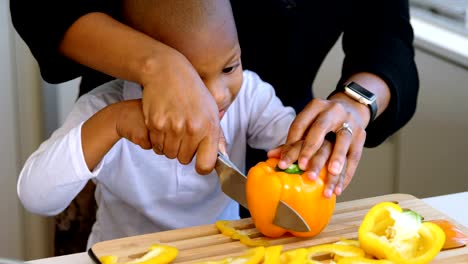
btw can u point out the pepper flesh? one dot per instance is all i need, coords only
(227, 230)
(266, 187)
(388, 233)
(157, 254)
(336, 250)
(253, 256)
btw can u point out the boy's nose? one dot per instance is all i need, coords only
(220, 93)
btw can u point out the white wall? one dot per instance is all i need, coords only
(22, 236)
(11, 218)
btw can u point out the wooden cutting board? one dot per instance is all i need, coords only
(201, 243)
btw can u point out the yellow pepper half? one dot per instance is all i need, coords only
(267, 185)
(157, 254)
(389, 232)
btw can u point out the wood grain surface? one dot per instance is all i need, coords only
(202, 243)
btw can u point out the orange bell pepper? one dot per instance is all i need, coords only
(267, 185)
(454, 237)
(389, 232)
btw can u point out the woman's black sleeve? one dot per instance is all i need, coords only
(379, 39)
(42, 25)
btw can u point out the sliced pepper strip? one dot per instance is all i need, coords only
(295, 256)
(389, 233)
(272, 254)
(253, 256)
(157, 254)
(362, 260)
(336, 250)
(227, 230)
(108, 259)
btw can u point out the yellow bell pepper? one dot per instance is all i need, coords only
(157, 254)
(267, 185)
(388, 232)
(225, 229)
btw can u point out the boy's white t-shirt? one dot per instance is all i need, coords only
(138, 191)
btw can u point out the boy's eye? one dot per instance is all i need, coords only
(230, 69)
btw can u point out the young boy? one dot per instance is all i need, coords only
(105, 139)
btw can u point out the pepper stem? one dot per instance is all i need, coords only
(293, 169)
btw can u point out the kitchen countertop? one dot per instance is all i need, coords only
(453, 205)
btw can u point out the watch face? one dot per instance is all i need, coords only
(361, 91)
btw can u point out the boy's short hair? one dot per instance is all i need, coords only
(166, 19)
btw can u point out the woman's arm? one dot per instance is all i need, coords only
(175, 100)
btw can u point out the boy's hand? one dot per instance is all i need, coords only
(180, 113)
(130, 123)
(306, 141)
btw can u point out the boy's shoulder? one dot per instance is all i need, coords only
(110, 92)
(253, 84)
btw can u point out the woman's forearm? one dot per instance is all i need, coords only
(102, 43)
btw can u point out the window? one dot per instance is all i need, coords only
(451, 14)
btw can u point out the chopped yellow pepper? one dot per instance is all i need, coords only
(336, 250)
(363, 260)
(389, 232)
(253, 256)
(272, 254)
(157, 254)
(108, 259)
(295, 256)
(227, 230)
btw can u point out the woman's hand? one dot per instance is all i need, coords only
(306, 141)
(181, 115)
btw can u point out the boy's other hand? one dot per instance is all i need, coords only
(180, 113)
(131, 123)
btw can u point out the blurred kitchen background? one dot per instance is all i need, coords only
(428, 157)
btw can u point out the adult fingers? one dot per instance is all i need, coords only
(325, 122)
(319, 160)
(344, 136)
(353, 158)
(208, 151)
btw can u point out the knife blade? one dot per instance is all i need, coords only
(233, 183)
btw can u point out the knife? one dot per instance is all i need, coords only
(233, 182)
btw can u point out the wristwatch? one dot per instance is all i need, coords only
(361, 95)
